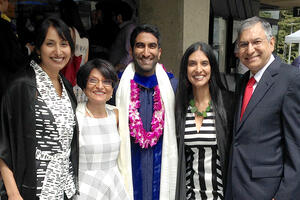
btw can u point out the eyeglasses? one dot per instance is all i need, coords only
(105, 82)
(255, 43)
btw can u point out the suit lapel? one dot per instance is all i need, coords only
(239, 98)
(265, 83)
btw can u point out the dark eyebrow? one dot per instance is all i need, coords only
(139, 43)
(51, 40)
(153, 44)
(190, 60)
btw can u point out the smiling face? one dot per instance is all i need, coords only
(198, 69)
(98, 89)
(254, 48)
(55, 52)
(146, 53)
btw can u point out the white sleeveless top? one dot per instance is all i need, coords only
(99, 146)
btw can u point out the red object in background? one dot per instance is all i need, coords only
(71, 69)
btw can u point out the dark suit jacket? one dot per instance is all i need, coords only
(265, 153)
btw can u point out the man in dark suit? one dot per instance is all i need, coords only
(265, 153)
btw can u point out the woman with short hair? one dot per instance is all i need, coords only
(99, 140)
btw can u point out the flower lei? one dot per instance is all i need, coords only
(136, 128)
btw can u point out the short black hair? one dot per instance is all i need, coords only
(144, 28)
(124, 9)
(105, 68)
(62, 30)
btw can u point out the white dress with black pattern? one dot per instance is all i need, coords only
(99, 146)
(54, 132)
(203, 169)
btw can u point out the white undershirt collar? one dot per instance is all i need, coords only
(260, 73)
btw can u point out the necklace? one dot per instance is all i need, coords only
(90, 113)
(136, 128)
(195, 110)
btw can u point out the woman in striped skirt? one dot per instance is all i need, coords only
(203, 125)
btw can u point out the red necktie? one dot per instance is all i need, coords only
(247, 95)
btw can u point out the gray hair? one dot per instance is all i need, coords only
(253, 21)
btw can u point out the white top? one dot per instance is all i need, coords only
(99, 146)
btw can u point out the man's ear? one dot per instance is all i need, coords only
(272, 43)
(159, 53)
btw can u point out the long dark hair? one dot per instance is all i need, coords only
(62, 30)
(184, 91)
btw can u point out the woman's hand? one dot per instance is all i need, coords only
(15, 197)
(9, 182)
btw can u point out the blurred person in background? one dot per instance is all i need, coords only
(296, 62)
(70, 15)
(12, 55)
(120, 55)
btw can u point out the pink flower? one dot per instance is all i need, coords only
(135, 123)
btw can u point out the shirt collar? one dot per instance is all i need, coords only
(260, 73)
(146, 81)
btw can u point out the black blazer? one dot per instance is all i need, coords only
(17, 133)
(223, 132)
(265, 154)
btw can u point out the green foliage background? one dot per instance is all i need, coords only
(287, 20)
